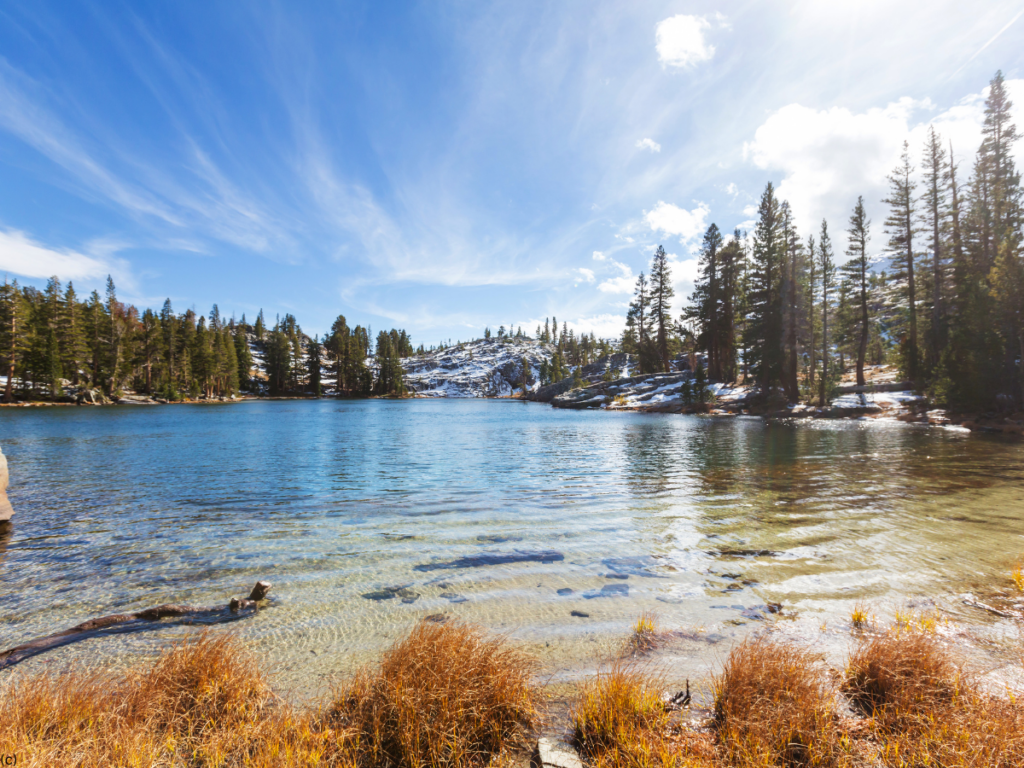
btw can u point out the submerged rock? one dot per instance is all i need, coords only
(608, 590)
(387, 593)
(5, 506)
(495, 558)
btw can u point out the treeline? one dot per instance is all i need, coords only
(571, 352)
(949, 311)
(50, 339)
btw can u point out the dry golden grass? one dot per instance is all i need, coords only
(772, 707)
(926, 711)
(1017, 575)
(445, 696)
(859, 617)
(204, 702)
(619, 719)
(645, 635)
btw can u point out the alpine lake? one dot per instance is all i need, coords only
(557, 528)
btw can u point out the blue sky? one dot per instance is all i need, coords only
(445, 166)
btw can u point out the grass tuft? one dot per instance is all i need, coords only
(444, 696)
(859, 617)
(1017, 575)
(773, 708)
(645, 635)
(619, 719)
(926, 710)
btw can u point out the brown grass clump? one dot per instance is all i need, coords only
(444, 696)
(901, 672)
(772, 707)
(619, 719)
(926, 711)
(204, 702)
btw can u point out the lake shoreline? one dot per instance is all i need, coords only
(925, 416)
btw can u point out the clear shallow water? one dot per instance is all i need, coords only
(484, 510)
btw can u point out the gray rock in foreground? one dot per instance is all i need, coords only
(5, 506)
(557, 754)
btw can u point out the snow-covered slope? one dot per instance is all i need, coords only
(482, 368)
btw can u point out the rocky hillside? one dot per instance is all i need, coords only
(481, 368)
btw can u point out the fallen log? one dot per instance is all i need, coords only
(978, 604)
(150, 618)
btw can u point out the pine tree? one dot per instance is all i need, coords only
(116, 329)
(1006, 274)
(11, 334)
(812, 314)
(934, 217)
(900, 225)
(826, 272)
(661, 303)
(640, 310)
(243, 356)
(150, 346)
(733, 259)
(70, 335)
(705, 301)
(314, 361)
(856, 273)
(792, 275)
(763, 336)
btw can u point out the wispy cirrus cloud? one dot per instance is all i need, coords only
(21, 256)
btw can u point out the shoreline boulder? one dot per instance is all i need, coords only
(5, 506)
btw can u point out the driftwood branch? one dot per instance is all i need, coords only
(978, 604)
(150, 618)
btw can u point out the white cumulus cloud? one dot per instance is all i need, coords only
(598, 256)
(673, 220)
(827, 157)
(616, 285)
(621, 284)
(680, 41)
(650, 144)
(586, 274)
(605, 326)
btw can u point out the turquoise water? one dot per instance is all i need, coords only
(369, 515)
